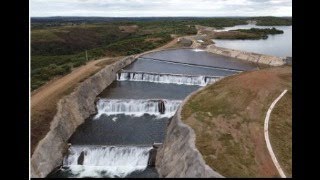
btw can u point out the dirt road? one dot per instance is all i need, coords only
(60, 84)
(168, 45)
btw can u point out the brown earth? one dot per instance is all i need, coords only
(228, 119)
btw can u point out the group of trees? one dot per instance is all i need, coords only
(273, 21)
(257, 33)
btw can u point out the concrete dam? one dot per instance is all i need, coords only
(127, 115)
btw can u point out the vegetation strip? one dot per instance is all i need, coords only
(266, 134)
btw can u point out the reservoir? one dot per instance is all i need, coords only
(277, 45)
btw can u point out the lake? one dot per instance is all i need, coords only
(277, 45)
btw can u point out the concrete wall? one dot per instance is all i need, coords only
(72, 110)
(178, 157)
(247, 56)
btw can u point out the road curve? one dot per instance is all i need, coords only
(266, 135)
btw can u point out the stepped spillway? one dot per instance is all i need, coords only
(137, 107)
(110, 161)
(167, 78)
(133, 113)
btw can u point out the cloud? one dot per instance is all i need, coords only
(139, 8)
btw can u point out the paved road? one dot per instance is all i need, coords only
(266, 135)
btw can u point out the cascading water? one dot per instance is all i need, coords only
(99, 161)
(166, 78)
(137, 107)
(88, 160)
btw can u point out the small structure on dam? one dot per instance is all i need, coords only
(153, 154)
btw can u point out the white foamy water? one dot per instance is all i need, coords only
(136, 107)
(166, 78)
(107, 161)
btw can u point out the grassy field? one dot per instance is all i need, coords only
(58, 44)
(56, 51)
(228, 119)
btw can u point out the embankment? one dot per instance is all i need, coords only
(178, 157)
(72, 110)
(247, 56)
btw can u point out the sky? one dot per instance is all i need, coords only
(160, 8)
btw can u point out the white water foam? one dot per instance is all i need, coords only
(166, 78)
(136, 107)
(107, 161)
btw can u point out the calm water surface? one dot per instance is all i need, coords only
(278, 45)
(200, 58)
(120, 130)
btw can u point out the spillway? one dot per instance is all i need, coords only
(133, 113)
(180, 79)
(137, 107)
(108, 161)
